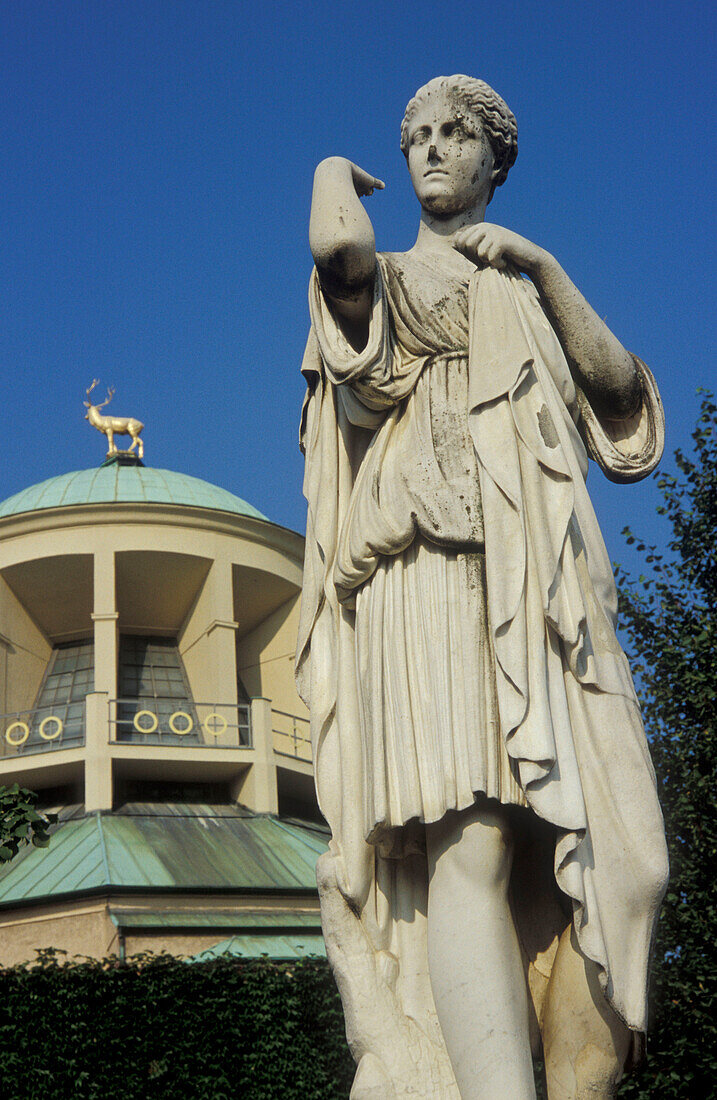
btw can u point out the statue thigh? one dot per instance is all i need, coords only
(584, 1043)
(474, 955)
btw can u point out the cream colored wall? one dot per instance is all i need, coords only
(82, 929)
(244, 551)
(116, 527)
(91, 932)
(86, 928)
(94, 934)
(24, 653)
(175, 943)
(265, 659)
(206, 641)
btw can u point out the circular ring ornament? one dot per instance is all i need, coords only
(23, 736)
(58, 730)
(215, 718)
(154, 721)
(187, 729)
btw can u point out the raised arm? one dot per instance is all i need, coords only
(602, 367)
(343, 244)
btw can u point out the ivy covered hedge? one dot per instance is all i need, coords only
(157, 1027)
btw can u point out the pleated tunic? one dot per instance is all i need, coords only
(425, 664)
(454, 567)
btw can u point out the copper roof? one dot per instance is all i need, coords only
(150, 848)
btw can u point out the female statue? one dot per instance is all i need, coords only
(497, 858)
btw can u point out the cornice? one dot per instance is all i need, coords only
(250, 528)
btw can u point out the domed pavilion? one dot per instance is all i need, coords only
(147, 629)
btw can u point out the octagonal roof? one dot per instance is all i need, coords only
(125, 484)
(167, 846)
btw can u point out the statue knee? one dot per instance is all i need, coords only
(659, 870)
(650, 877)
(474, 847)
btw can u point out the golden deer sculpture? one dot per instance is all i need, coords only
(113, 425)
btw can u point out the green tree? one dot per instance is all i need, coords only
(668, 617)
(20, 822)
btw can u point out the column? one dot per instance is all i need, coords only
(257, 788)
(98, 762)
(105, 617)
(5, 646)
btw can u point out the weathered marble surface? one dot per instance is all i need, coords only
(498, 856)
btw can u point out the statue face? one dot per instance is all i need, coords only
(449, 157)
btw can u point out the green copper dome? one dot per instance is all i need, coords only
(125, 484)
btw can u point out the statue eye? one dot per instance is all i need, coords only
(457, 129)
(420, 136)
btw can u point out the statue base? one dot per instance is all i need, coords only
(122, 458)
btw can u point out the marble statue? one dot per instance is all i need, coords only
(497, 859)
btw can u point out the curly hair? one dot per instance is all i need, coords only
(476, 96)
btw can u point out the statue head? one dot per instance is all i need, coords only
(480, 142)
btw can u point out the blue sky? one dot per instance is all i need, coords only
(157, 159)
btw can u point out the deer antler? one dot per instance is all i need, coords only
(108, 398)
(87, 403)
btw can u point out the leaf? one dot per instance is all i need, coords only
(668, 618)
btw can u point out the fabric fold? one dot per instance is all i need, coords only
(567, 710)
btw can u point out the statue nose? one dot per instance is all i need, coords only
(432, 152)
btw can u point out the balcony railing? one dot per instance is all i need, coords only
(292, 735)
(44, 729)
(151, 721)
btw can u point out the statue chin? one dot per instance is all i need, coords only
(443, 205)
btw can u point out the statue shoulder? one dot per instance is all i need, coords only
(393, 261)
(405, 268)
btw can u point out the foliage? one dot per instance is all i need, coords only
(158, 1027)
(668, 616)
(20, 823)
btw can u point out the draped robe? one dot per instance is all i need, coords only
(568, 713)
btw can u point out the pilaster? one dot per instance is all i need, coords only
(208, 641)
(98, 762)
(258, 789)
(105, 618)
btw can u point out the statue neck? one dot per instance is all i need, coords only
(436, 234)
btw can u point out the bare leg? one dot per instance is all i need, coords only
(585, 1043)
(474, 959)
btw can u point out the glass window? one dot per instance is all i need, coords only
(152, 678)
(69, 678)
(242, 693)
